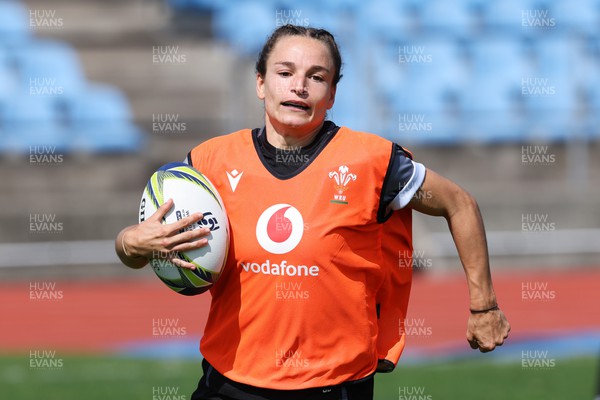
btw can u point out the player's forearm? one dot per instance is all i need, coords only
(131, 260)
(466, 226)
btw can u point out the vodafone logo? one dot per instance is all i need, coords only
(280, 228)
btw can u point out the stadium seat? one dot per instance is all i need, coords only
(353, 106)
(507, 15)
(554, 55)
(585, 71)
(380, 62)
(341, 5)
(492, 110)
(7, 90)
(202, 5)
(497, 56)
(384, 19)
(446, 17)
(191, 5)
(8, 85)
(50, 68)
(3, 139)
(471, 91)
(244, 25)
(101, 121)
(583, 17)
(14, 24)
(5, 57)
(8, 78)
(593, 112)
(33, 121)
(439, 58)
(550, 91)
(491, 100)
(424, 112)
(492, 105)
(553, 113)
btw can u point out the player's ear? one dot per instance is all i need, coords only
(331, 100)
(260, 86)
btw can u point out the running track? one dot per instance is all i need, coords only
(112, 316)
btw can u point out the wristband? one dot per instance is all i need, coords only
(495, 307)
(123, 245)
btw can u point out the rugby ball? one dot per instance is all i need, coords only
(191, 192)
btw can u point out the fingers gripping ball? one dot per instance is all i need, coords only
(191, 192)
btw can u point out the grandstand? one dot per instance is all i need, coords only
(114, 86)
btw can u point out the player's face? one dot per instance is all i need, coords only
(297, 87)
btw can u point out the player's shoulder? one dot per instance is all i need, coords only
(365, 137)
(366, 142)
(373, 139)
(224, 142)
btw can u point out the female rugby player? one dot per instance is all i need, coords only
(318, 214)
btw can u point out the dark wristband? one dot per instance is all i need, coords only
(484, 311)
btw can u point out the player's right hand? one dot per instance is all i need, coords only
(153, 239)
(487, 331)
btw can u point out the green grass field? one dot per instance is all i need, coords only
(104, 378)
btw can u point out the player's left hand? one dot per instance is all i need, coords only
(487, 331)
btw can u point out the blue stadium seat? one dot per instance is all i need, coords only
(318, 6)
(4, 56)
(3, 138)
(50, 68)
(553, 111)
(340, 5)
(199, 5)
(8, 78)
(385, 19)
(550, 91)
(447, 17)
(187, 5)
(490, 101)
(101, 121)
(380, 62)
(14, 23)
(585, 71)
(492, 110)
(245, 25)
(8, 85)
(592, 81)
(493, 57)
(440, 58)
(554, 55)
(33, 121)
(593, 112)
(425, 102)
(582, 16)
(488, 95)
(424, 112)
(482, 87)
(352, 106)
(507, 15)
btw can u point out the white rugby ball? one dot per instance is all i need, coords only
(191, 192)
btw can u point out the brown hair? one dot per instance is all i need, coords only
(321, 35)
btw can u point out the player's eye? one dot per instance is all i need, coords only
(284, 74)
(317, 78)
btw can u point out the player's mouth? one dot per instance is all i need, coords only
(298, 105)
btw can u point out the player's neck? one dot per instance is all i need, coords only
(283, 138)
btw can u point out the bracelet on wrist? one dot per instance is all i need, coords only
(123, 245)
(495, 307)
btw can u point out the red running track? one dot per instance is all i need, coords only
(99, 316)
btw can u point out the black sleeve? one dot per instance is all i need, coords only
(401, 173)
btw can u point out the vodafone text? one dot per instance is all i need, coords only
(283, 268)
